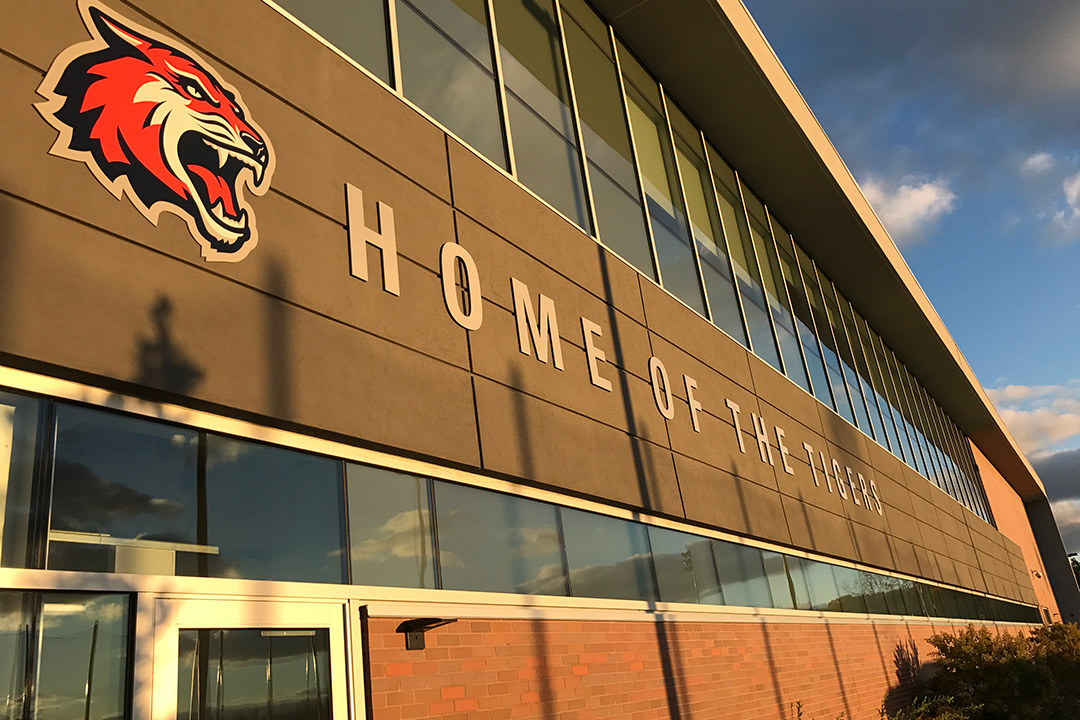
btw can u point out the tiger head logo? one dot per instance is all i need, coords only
(153, 121)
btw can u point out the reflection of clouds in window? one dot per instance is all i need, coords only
(533, 541)
(226, 450)
(396, 538)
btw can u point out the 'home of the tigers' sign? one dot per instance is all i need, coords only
(538, 336)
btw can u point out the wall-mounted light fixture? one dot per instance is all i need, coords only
(414, 630)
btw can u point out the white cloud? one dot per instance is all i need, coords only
(1039, 416)
(1036, 164)
(907, 208)
(1065, 223)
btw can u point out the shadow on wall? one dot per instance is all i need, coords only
(159, 362)
(911, 677)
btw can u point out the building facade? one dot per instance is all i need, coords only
(469, 358)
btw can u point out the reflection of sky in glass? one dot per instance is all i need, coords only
(498, 543)
(125, 477)
(68, 650)
(451, 78)
(389, 528)
(275, 514)
(608, 557)
(254, 673)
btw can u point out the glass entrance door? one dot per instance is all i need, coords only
(249, 660)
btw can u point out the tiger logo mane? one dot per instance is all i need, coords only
(153, 121)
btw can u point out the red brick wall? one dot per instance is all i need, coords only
(497, 669)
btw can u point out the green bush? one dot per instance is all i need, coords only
(936, 708)
(981, 676)
(1001, 673)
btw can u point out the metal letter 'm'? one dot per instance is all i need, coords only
(543, 331)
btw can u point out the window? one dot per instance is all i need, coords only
(271, 514)
(804, 321)
(497, 543)
(448, 70)
(19, 418)
(389, 528)
(125, 493)
(607, 557)
(357, 28)
(137, 496)
(779, 305)
(705, 226)
(685, 570)
(69, 649)
(542, 130)
(620, 215)
(675, 255)
(742, 575)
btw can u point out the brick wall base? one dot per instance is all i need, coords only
(499, 669)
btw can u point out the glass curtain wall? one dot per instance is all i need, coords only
(542, 125)
(705, 225)
(652, 141)
(755, 307)
(620, 214)
(448, 70)
(543, 89)
(862, 373)
(847, 365)
(804, 320)
(776, 293)
(358, 28)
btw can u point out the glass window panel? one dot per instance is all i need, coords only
(876, 383)
(619, 212)
(841, 399)
(913, 598)
(121, 478)
(252, 673)
(894, 596)
(538, 99)
(874, 589)
(82, 663)
(800, 586)
(888, 364)
(804, 321)
(861, 369)
(448, 71)
(944, 602)
(497, 543)
(678, 270)
(744, 263)
(780, 585)
(19, 417)
(832, 310)
(705, 226)
(637, 76)
(389, 528)
(16, 617)
(608, 557)
(589, 21)
(821, 582)
(889, 385)
(742, 575)
(685, 570)
(776, 289)
(357, 28)
(851, 584)
(271, 514)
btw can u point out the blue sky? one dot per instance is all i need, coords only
(961, 122)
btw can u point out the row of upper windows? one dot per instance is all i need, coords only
(548, 93)
(94, 490)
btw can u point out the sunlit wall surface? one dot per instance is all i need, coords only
(547, 92)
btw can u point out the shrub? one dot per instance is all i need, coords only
(1003, 674)
(935, 708)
